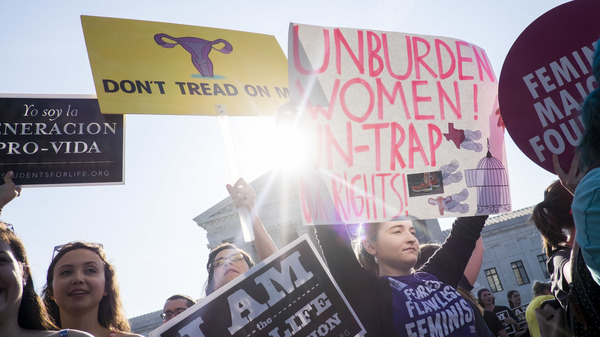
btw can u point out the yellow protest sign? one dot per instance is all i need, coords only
(148, 67)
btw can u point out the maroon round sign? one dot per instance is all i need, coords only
(545, 79)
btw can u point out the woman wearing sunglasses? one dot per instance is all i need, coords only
(226, 261)
(82, 291)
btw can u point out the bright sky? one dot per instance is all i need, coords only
(175, 166)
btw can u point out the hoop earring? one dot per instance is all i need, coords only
(375, 258)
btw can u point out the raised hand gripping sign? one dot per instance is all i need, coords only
(401, 124)
(290, 293)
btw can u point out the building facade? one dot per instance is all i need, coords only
(146, 323)
(513, 256)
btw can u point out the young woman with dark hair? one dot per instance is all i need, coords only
(82, 291)
(225, 263)
(514, 298)
(380, 282)
(514, 301)
(552, 217)
(571, 281)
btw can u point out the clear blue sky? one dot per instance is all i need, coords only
(175, 166)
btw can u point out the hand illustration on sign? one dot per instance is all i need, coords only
(198, 48)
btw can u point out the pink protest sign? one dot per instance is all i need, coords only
(545, 79)
(402, 124)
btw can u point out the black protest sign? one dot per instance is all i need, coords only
(502, 316)
(60, 141)
(520, 314)
(287, 294)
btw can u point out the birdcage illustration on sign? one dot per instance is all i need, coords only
(491, 181)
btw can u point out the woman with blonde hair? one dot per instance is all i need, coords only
(541, 292)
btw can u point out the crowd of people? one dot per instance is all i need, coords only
(380, 268)
(81, 296)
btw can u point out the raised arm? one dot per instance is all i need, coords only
(474, 264)
(8, 190)
(365, 292)
(449, 262)
(244, 198)
(336, 245)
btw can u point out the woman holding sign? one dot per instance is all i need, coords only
(514, 301)
(388, 295)
(226, 261)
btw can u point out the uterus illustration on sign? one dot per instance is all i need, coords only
(198, 48)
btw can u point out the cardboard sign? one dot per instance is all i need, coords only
(60, 141)
(545, 79)
(402, 124)
(145, 67)
(291, 293)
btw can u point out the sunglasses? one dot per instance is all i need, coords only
(170, 314)
(58, 248)
(8, 226)
(233, 258)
